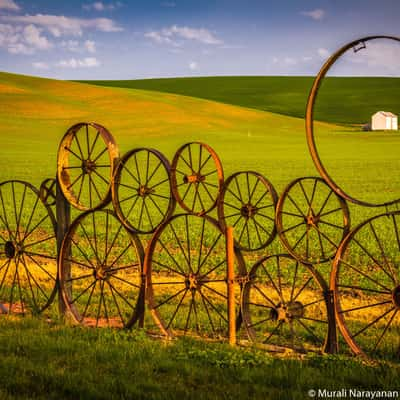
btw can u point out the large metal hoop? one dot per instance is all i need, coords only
(310, 121)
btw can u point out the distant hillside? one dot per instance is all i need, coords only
(340, 100)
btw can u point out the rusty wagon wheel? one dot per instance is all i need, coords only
(356, 45)
(47, 191)
(85, 165)
(284, 305)
(247, 203)
(312, 220)
(101, 271)
(197, 178)
(141, 190)
(186, 274)
(366, 282)
(28, 261)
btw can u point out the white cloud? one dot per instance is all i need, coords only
(289, 61)
(59, 25)
(323, 53)
(23, 40)
(32, 36)
(90, 46)
(379, 56)
(87, 62)
(318, 14)
(193, 65)
(9, 5)
(40, 65)
(169, 35)
(100, 6)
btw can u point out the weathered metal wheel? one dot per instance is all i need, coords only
(101, 271)
(311, 220)
(197, 178)
(366, 282)
(356, 45)
(141, 190)
(28, 253)
(247, 203)
(85, 164)
(47, 191)
(187, 277)
(284, 305)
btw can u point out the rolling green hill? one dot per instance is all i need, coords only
(35, 113)
(340, 100)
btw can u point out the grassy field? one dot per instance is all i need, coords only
(53, 361)
(340, 100)
(35, 113)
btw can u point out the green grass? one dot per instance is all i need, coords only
(53, 361)
(340, 99)
(35, 113)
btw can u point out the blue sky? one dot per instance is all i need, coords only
(86, 39)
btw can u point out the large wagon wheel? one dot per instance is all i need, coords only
(141, 190)
(101, 271)
(284, 305)
(311, 220)
(366, 283)
(28, 267)
(85, 163)
(186, 276)
(247, 203)
(197, 177)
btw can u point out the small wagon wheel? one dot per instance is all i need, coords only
(186, 276)
(312, 220)
(141, 190)
(28, 261)
(284, 304)
(366, 282)
(247, 203)
(85, 163)
(47, 191)
(197, 178)
(101, 271)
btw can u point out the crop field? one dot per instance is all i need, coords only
(263, 133)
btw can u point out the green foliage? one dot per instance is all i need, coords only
(340, 100)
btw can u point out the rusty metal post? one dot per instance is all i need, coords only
(331, 345)
(63, 215)
(230, 257)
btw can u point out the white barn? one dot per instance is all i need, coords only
(383, 120)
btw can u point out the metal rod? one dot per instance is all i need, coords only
(230, 256)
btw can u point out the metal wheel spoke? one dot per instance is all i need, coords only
(364, 307)
(385, 330)
(372, 323)
(168, 299)
(303, 287)
(177, 308)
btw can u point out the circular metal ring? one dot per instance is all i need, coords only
(247, 203)
(284, 304)
(186, 275)
(85, 165)
(197, 177)
(310, 121)
(47, 191)
(100, 271)
(365, 281)
(28, 250)
(142, 190)
(312, 220)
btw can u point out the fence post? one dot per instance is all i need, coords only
(230, 256)
(63, 216)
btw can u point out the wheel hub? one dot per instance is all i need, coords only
(10, 249)
(396, 296)
(248, 210)
(192, 283)
(88, 166)
(101, 273)
(287, 312)
(194, 178)
(311, 219)
(144, 191)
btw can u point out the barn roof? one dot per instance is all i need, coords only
(386, 114)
